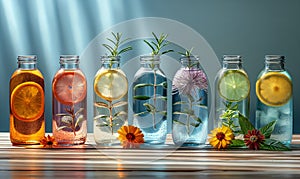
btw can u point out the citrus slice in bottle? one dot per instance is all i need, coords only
(69, 87)
(274, 89)
(27, 101)
(234, 85)
(111, 85)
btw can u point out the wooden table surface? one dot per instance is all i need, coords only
(168, 161)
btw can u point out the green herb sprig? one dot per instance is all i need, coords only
(159, 43)
(116, 43)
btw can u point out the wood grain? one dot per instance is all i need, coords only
(89, 161)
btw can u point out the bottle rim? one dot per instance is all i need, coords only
(68, 59)
(27, 58)
(232, 58)
(274, 58)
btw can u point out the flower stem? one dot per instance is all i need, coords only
(154, 100)
(189, 116)
(110, 107)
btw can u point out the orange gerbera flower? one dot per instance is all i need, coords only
(48, 142)
(130, 136)
(221, 137)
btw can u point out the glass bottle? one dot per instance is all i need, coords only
(232, 93)
(110, 101)
(69, 106)
(189, 99)
(150, 100)
(274, 98)
(27, 101)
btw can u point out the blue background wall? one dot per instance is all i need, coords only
(49, 28)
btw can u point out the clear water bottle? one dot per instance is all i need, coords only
(274, 98)
(232, 93)
(110, 101)
(150, 100)
(189, 103)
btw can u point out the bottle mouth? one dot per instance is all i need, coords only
(274, 58)
(232, 58)
(68, 59)
(27, 58)
(107, 58)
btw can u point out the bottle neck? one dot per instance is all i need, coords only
(151, 62)
(69, 61)
(109, 62)
(233, 62)
(27, 62)
(190, 62)
(274, 63)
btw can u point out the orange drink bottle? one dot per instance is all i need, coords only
(274, 91)
(27, 122)
(69, 106)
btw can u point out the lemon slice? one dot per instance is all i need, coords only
(111, 85)
(274, 89)
(234, 85)
(27, 101)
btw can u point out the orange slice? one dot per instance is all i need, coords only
(69, 87)
(111, 85)
(274, 89)
(27, 101)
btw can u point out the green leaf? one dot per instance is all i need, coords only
(149, 107)
(245, 124)
(141, 97)
(178, 122)
(180, 103)
(153, 50)
(120, 103)
(101, 105)
(201, 106)
(142, 85)
(195, 124)
(167, 51)
(162, 97)
(141, 113)
(101, 117)
(102, 125)
(63, 114)
(109, 48)
(271, 144)
(237, 143)
(79, 120)
(164, 113)
(268, 129)
(120, 113)
(62, 127)
(196, 118)
(181, 113)
(163, 84)
(79, 111)
(125, 50)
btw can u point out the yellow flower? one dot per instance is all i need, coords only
(130, 136)
(48, 142)
(221, 137)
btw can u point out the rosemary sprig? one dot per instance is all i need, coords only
(116, 43)
(157, 45)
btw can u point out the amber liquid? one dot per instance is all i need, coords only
(22, 131)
